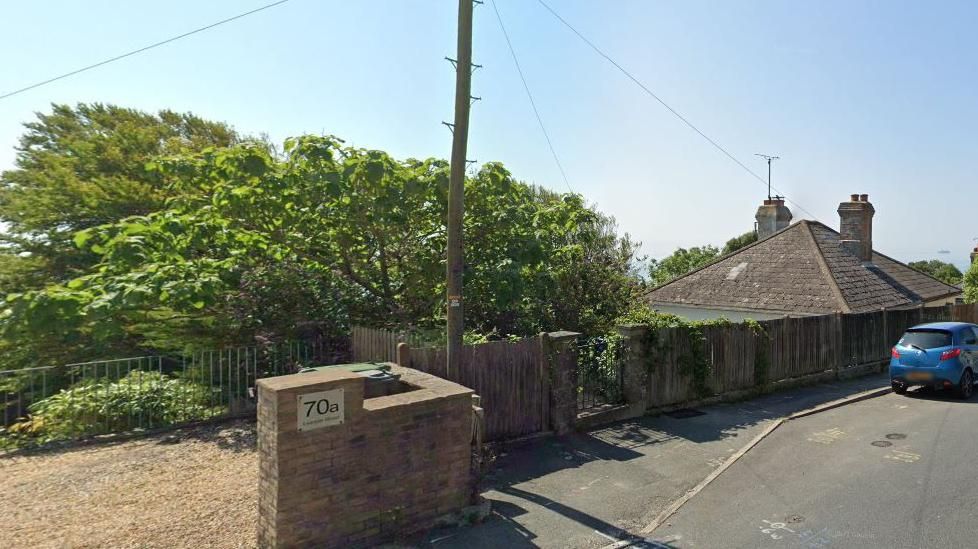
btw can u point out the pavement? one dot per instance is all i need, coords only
(595, 488)
(894, 472)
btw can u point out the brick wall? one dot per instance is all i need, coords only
(394, 464)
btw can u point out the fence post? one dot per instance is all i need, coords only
(543, 363)
(635, 371)
(839, 344)
(886, 340)
(562, 359)
(404, 355)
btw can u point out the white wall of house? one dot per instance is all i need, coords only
(699, 313)
(941, 302)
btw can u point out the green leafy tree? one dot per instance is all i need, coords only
(940, 270)
(80, 167)
(253, 245)
(739, 242)
(971, 284)
(681, 262)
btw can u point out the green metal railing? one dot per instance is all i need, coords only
(53, 403)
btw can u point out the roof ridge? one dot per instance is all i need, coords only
(823, 266)
(897, 261)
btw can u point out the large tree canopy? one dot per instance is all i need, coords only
(79, 167)
(940, 270)
(251, 245)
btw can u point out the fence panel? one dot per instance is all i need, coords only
(864, 339)
(731, 351)
(898, 320)
(510, 376)
(779, 362)
(380, 344)
(935, 314)
(965, 313)
(670, 381)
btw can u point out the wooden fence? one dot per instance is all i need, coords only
(511, 378)
(378, 345)
(739, 357)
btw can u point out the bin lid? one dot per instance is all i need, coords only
(355, 367)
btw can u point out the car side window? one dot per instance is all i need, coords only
(969, 336)
(974, 340)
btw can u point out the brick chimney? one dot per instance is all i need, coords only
(856, 226)
(974, 255)
(771, 217)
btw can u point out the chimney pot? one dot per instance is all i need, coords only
(854, 198)
(864, 198)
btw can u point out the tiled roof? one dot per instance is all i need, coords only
(801, 269)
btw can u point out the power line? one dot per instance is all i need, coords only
(666, 105)
(140, 50)
(529, 95)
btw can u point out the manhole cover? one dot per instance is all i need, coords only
(684, 413)
(794, 519)
(896, 436)
(882, 443)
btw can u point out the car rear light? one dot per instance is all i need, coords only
(894, 353)
(953, 353)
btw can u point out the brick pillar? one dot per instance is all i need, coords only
(289, 462)
(391, 467)
(635, 368)
(562, 356)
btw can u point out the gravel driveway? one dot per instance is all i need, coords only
(188, 488)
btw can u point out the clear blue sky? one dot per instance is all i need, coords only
(870, 97)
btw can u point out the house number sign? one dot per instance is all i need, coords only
(320, 409)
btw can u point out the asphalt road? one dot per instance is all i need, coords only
(894, 471)
(586, 490)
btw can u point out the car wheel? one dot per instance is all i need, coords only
(899, 388)
(967, 385)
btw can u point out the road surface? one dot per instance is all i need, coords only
(894, 471)
(586, 490)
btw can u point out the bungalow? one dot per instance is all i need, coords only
(802, 269)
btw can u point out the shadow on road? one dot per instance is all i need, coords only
(929, 393)
(502, 530)
(663, 452)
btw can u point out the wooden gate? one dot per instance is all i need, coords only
(510, 376)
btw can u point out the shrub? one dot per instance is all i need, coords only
(138, 400)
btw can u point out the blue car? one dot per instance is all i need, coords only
(940, 355)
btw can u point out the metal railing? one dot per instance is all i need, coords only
(71, 401)
(599, 373)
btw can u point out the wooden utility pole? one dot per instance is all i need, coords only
(456, 185)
